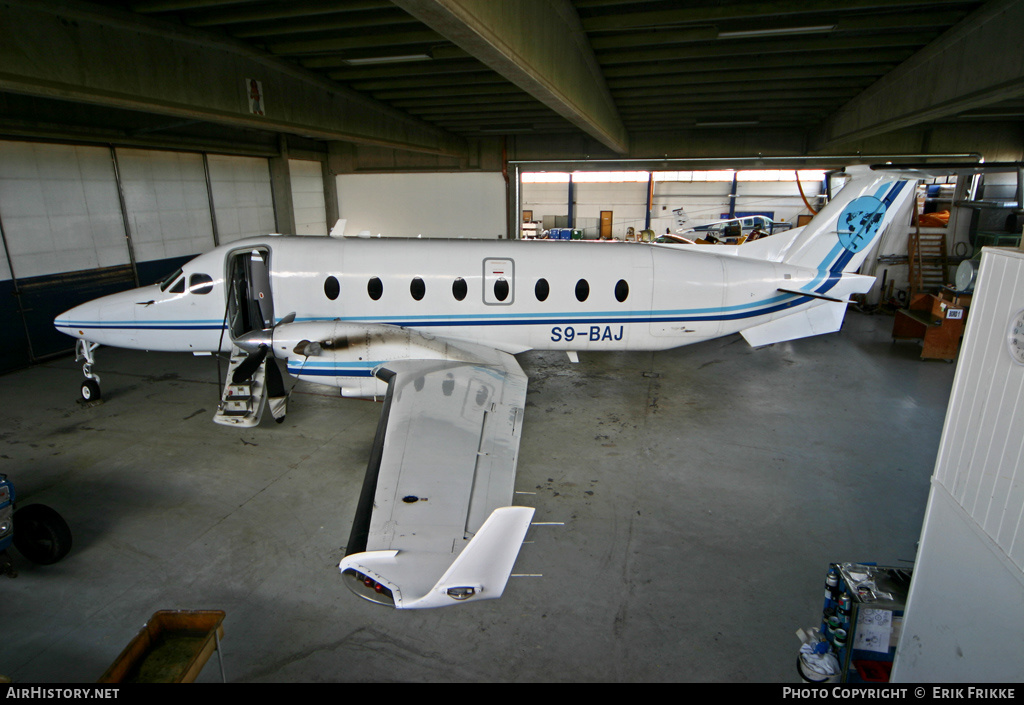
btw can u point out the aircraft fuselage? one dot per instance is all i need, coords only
(512, 295)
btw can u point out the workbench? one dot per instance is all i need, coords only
(936, 320)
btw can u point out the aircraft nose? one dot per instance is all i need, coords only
(76, 321)
(106, 320)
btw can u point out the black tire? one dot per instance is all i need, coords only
(90, 390)
(41, 534)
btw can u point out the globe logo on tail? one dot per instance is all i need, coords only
(859, 222)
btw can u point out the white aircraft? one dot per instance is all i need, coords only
(433, 326)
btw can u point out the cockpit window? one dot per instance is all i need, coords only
(170, 280)
(200, 284)
(179, 287)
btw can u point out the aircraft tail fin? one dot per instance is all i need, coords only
(840, 236)
(833, 246)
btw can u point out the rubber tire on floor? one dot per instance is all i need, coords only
(90, 390)
(41, 534)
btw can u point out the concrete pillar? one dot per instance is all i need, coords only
(331, 207)
(281, 188)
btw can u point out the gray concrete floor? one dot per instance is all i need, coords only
(703, 491)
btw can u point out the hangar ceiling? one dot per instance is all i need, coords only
(615, 77)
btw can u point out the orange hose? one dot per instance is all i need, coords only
(801, 190)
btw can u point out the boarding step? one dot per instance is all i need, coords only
(233, 407)
(242, 403)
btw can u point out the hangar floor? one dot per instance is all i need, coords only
(703, 491)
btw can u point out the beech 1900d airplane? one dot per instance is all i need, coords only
(432, 326)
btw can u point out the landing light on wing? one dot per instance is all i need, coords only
(369, 589)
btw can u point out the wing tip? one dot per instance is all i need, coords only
(479, 572)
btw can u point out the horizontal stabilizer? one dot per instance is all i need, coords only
(813, 296)
(827, 317)
(479, 572)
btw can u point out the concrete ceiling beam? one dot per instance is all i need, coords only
(91, 54)
(716, 12)
(976, 63)
(538, 45)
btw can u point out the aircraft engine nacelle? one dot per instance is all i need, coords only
(348, 355)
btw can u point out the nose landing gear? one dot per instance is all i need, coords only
(91, 384)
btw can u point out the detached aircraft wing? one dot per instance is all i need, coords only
(433, 526)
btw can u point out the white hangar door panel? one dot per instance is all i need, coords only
(308, 201)
(964, 620)
(167, 202)
(242, 197)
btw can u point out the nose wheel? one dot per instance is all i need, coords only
(90, 390)
(91, 384)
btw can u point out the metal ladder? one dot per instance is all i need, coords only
(927, 261)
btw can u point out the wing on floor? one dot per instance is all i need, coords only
(433, 526)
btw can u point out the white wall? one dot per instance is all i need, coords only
(627, 202)
(60, 208)
(308, 197)
(703, 201)
(431, 205)
(964, 620)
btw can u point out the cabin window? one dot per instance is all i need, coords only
(417, 288)
(499, 281)
(179, 287)
(459, 289)
(375, 288)
(582, 290)
(332, 288)
(541, 290)
(621, 290)
(170, 279)
(501, 289)
(200, 284)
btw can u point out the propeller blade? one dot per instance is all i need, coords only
(275, 382)
(249, 365)
(277, 397)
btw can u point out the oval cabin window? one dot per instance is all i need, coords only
(375, 288)
(417, 288)
(501, 289)
(459, 289)
(582, 290)
(332, 288)
(541, 290)
(621, 291)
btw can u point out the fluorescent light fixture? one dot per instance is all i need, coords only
(387, 59)
(781, 32)
(507, 129)
(1008, 115)
(728, 123)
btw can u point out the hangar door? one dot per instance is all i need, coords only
(79, 222)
